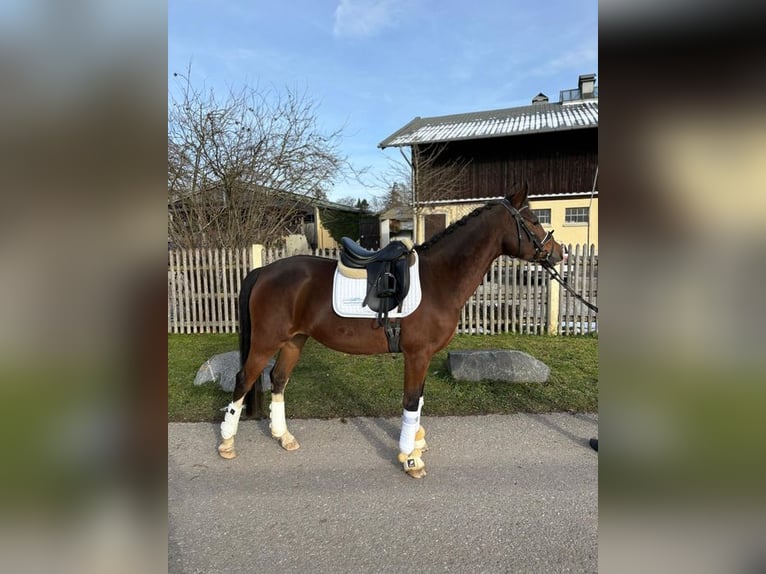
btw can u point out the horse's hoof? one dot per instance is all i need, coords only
(419, 473)
(290, 445)
(226, 449)
(288, 442)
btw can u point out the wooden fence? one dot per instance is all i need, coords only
(515, 296)
(203, 287)
(581, 272)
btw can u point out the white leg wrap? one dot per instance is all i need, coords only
(278, 423)
(410, 425)
(231, 419)
(407, 437)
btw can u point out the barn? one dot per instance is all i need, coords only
(460, 161)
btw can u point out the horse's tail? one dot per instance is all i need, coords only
(244, 315)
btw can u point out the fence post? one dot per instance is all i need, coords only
(256, 256)
(554, 300)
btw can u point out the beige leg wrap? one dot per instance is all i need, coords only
(413, 463)
(420, 440)
(226, 448)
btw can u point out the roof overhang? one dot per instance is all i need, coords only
(525, 120)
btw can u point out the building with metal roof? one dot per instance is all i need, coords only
(535, 118)
(551, 147)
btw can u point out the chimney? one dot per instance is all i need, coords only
(586, 84)
(540, 98)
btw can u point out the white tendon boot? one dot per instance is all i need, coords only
(278, 423)
(229, 428)
(412, 434)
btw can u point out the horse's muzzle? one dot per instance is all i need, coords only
(557, 254)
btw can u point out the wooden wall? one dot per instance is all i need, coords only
(552, 163)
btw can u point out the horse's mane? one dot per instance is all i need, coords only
(454, 225)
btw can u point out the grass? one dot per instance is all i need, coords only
(329, 384)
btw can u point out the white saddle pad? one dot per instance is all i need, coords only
(348, 295)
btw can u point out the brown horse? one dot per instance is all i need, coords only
(290, 300)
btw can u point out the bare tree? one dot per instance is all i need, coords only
(436, 175)
(242, 169)
(429, 174)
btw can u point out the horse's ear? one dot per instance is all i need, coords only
(518, 195)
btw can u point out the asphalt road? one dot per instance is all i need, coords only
(504, 493)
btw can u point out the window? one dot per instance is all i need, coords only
(543, 215)
(576, 215)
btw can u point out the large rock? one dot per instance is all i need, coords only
(497, 365)
(223, 369)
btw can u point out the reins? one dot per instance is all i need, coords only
(555, 274)
(546, 264)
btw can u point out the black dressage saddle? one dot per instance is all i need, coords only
(388, 273)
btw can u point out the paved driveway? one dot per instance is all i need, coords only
(504, 493)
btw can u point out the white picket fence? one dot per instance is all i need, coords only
(515, 296)
(581, 272)
(203, 287)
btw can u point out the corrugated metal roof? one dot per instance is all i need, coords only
(534, 118)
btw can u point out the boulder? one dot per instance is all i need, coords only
(223, 369)
(497, 365)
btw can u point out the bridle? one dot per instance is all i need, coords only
(541, 256)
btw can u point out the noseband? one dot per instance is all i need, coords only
(540, 255)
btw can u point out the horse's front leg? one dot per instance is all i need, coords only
(412, 442)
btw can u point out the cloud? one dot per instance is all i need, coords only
(583, 59)
(364, 18)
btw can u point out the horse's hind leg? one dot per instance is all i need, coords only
(280, 375)
(246, 378)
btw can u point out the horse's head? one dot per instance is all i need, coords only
(525, 237)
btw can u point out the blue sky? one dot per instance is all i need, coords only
(373, 65)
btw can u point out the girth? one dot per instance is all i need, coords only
(388, 280)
